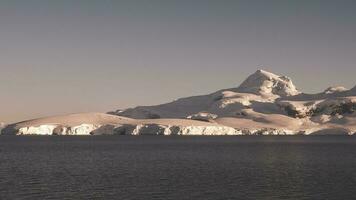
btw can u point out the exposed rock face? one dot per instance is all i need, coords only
(203, 116)
(116, 112)
(9, 130)
(320, 107)
(269, 131)
(139, 112)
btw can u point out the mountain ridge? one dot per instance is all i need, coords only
(263, 104)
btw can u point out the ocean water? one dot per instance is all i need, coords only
(158, 167)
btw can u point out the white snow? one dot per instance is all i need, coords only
(37, 130)
(266, 83)
(334, 89)
(129, 129)
(2, 125)
(264, 104)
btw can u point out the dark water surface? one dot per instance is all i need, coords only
(158, 167)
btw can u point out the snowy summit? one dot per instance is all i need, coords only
(266, 83)
(264, 104)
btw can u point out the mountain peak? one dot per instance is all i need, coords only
(334, 89)
(267, 83)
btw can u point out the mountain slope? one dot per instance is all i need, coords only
(264, 104)
(263, 100)
(259, 92)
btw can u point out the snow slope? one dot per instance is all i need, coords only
(260, 88)
(263, 101)
(264, 104)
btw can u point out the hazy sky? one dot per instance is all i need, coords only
(70, 56)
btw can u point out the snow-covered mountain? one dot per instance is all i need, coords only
(260, 87)
(262, 92)
(266, 83)
(263, 100)
(265, 103)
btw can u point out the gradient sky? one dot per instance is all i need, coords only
(69, 56)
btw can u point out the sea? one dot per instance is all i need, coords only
(178, 167)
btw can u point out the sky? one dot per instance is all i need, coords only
(59, 57)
